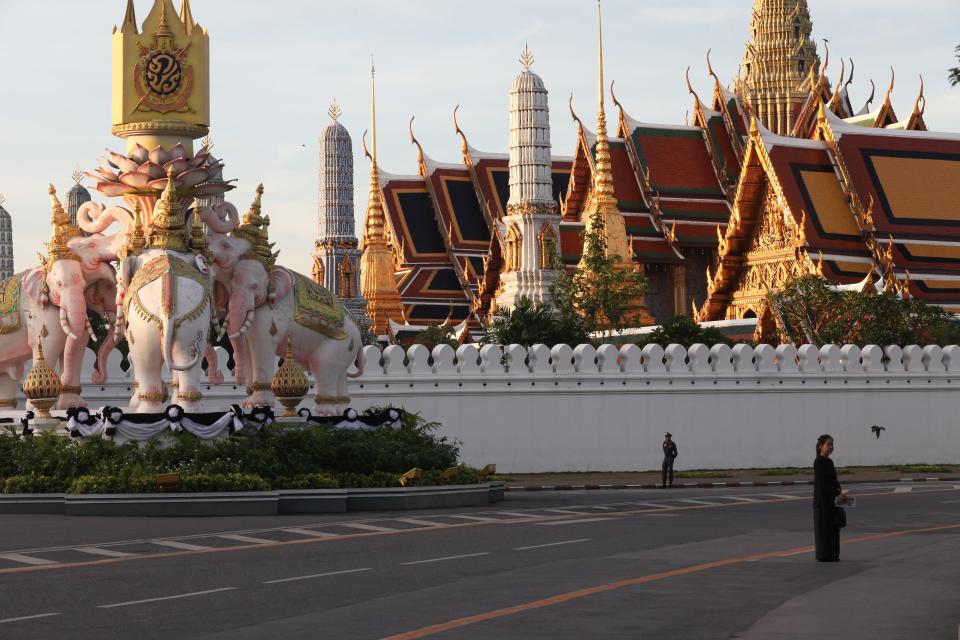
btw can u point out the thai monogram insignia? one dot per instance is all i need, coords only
(10, 303)
(316, 308)
(163, 80)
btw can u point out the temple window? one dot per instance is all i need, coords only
(801, 66)
(548, 247)
(318, 270)
(514, 247)
(346, 279)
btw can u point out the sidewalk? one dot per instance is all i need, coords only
(704, 479)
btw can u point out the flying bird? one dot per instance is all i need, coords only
(877, 429)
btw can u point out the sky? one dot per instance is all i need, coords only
(276, 66)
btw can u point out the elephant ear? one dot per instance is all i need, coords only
(32, 286)
(281, 282)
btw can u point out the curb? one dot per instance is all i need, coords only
(709, 485)
(253, 503)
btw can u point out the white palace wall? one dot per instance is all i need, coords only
(581, 409)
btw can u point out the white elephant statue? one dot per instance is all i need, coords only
(267, 310)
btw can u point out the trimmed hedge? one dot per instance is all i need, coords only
(277, 457)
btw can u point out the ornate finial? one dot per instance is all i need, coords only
(77, 175)
(257, 204)
(42, 385)
(163, 29)
(573, 114)
(290, 383)
(873, 94)
(167, 226)
(613, 96)
(62, 230)
(334, 111)
(921, 104)
(198, 241)
(600, 56)
(373, 108)
(464, 146)
(850, 79)
(129, 20)
(186, 17)
(690, 86)
(716, 80)
(526, 58)
(207, 143)
(420, 157)
(3, 199)
(893, 79)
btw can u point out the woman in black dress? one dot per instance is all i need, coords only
(826, 495)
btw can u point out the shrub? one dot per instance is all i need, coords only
(307, 481)
(112, 484)
(34, 483)
(224, 482)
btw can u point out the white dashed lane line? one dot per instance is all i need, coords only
(551, 544)
(467, 555)
(33, 617)
(175, 597)
(317, 575)
(364, 527)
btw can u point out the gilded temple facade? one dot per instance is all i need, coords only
(778, 175)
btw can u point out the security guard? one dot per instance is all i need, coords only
(669, 455)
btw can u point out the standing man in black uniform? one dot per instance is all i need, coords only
(669, 455)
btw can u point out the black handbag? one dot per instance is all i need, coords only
(840, 517)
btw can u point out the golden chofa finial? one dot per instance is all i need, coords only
(421, 159)
(58, 214)
(77, 175)
(526, 58)
(464, 145)
(334, 111)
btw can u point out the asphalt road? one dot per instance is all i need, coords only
(708, 563)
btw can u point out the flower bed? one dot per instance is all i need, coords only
(279, 456)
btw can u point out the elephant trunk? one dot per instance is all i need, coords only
(73, 315)
(99, 375)
(168, 336)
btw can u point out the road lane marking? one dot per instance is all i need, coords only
(422, 523)
(56, 566)
(239, 538)
(788, 496)
(518, 514)
(655, 505)
(176, 544)
(579, 521)
(566, 512)
(740, 498)
(365, 527)
(551, 544)
(478, 518)
(33, 617)
(97, 551)
(902, 489)
(466, 555)
(692, 501)
(311, 532)
(562, 598)
(176, 597)
(19, 557)
(797, 553)
(661, 515)
(317, 575)
(949, 501)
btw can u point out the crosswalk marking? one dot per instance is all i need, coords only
(176, 544)
(655, 505)
(364, 527)
(692, 501)
(420, 523)
(476, 518)
(19, 557)
(110, 553)
(567, 512)
(784, 495)
(311, 532)
(518, 514)
(902, 489)
(740, 498)
(239, 538)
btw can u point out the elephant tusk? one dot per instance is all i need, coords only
(65, 325)
(90, 332)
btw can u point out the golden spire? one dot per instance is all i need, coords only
(254, 230)
(135, 241)
(526, 58)
(129, 20)
(606, 200)
(167, 226)
(378, 283)
(163, 28)
(198, 241)
(63, 231)
(186, 16)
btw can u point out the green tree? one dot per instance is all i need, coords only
(531, 323)
(436, 335)
(600, 291)
(812, 311)
(683, 330)
(955, 72)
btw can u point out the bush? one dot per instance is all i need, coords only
(224, 482)
(683, 330)
(529, 323)
(307, 481)
(113, 484)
